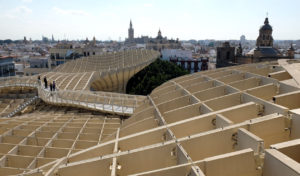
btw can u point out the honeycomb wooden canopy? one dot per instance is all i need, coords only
(233, 121)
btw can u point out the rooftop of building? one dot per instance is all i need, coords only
(240, 120)
(266, 26)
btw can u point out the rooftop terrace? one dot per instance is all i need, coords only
(233, 121)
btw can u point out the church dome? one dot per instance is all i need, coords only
(266, 26)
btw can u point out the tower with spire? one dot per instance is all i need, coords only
(25, 40)
(264, 43)
(130, 32)
(94, 41)
(159, 36)
(265, 37)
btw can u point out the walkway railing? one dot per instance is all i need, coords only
(107, 102)
(23, 106)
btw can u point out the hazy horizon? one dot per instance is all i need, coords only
(109, 20)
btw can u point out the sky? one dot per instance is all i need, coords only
(183, 19)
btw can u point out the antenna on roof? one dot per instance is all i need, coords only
(267, 14)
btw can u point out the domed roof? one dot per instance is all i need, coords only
(266, 26)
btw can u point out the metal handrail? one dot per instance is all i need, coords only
(23, 106)
(109, 102)
(61, 97)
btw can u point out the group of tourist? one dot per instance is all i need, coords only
(51, 85)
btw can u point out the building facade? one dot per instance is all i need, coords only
(7, 66)
(63, 52)
(158, 43)
(264, 50)
(38, 62)
(264, 43)
(291, 52)
(225, 55)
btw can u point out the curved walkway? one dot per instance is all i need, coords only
(114, 103)
(108, 73)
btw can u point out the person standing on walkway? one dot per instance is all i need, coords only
(45, 82)
(53, 86)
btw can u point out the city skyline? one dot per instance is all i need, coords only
(191, 19)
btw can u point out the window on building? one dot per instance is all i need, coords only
(227, 55)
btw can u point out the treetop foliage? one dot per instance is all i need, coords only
(152, 76)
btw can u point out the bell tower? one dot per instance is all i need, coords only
(265, 38)
(130, 32)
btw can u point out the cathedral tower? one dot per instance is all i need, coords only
(265, 35)
(159, 36)
(264, 44)
(130, 32)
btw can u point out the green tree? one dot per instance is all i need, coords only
(152, 76)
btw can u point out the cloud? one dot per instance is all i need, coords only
(26, 1)
(69, 12)
(18, 12)
(148, 5)
(23, 10)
